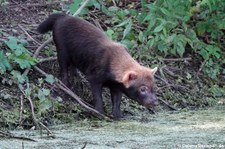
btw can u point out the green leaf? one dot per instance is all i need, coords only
(150, 43)
(158, 28)
(126, 21)
(74, 6)
(94, 3)
(113, 8)
(41, 95)
(50, 79)
(20, 50)
(44, 103)
(28, 91)
(4, 63)
(12, 43)
(180, 48)
(18, 76)
(162, 47)
(23, 63)
(169, 39)
(110, 33)
(128, 43)
(127, 29)
(46, 92)
(143, 3)
(164, 11)
(204, 53)
(141, 37)
(149, 17)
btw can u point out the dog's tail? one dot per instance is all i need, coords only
(48, 24)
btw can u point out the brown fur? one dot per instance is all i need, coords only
(104, 62)
(122, 64)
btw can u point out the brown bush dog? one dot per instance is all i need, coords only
(104, 62)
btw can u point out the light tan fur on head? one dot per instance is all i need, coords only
(141, 72)
(123, 66)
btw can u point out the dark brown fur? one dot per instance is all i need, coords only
(104, 62)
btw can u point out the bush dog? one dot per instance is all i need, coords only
(104, 62)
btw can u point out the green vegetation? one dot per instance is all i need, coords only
(184, 38)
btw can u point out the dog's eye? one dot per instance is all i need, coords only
(143, 90)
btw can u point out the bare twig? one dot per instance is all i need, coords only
(42, 47)
(47, 59)
(85, 144)
(97, 24)
(21, 109)
(10, 135)
(177, 59)
(202, 65)
(37, 123)
(166, 103)
(37, 53)
(114, 3)
(28, 34)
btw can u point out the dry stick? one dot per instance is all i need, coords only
(81, 7)
(202, 65)
(114, 3)
(177, 59)
(35, 119)
(47, 59)
(37, 53)
(168, 85)
(77, 98)
(42, 46)
(166, 103)
(37, 123)
(28, 34)
(21, 109)
(10, 135)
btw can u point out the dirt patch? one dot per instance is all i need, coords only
(186, 130)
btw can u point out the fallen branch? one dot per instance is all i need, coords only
(28, 35)
(10, 135)
(37, 53)
(77, 98)
(47, 59)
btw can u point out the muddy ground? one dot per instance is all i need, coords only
(165, 130)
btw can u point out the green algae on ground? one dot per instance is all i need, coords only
(186, 130)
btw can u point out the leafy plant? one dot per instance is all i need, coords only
(15, 56)
(165, 27)
(18, 53)
(77, 3)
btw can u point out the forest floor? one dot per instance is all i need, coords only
(192, 129)
(180, 130)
